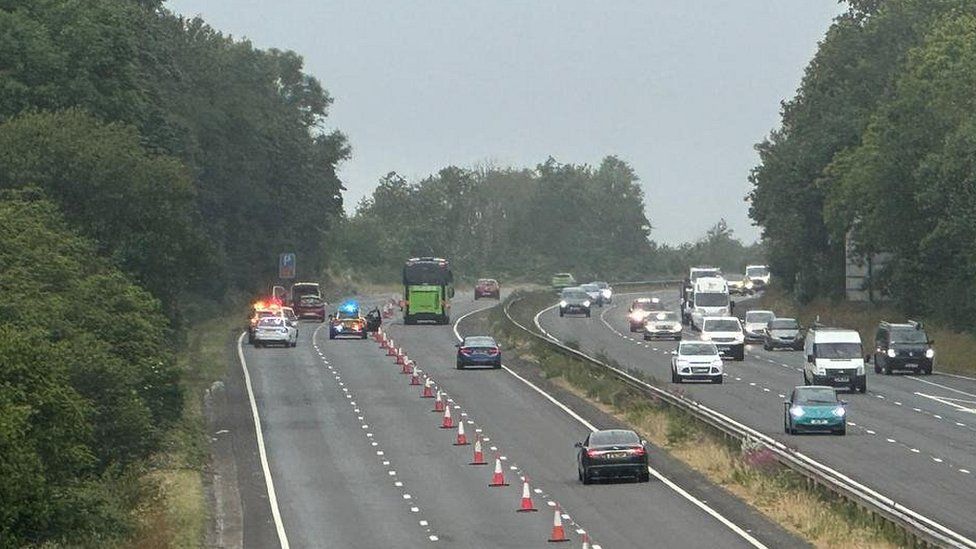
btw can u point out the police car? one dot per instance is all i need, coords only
(347, 322)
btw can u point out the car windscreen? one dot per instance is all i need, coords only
(711, 299)
(272, 322)
(909, 336)
(590, 288)
(816, 395)
(310, 300)
(575, 294)
(703, 274)
(304, 289)
(697, 349)
(665, 316)
(837, 350)
(758, 316)
(601, 285)
(757, 271)
(479, 341)
(721, 325)
(784, 324)
(613, 438)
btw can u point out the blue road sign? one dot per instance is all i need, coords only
(286, 265)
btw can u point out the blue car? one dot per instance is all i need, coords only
(814, 408)
(478, 351)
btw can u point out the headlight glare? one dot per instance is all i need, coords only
(930, 353)
(891, 353)
(796, 411)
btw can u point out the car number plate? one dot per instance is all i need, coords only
(911, 365)
(842, 379)
(818, 421)
(617, 455)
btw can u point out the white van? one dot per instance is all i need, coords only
(835, 357)
(711, 298)
(759, 275)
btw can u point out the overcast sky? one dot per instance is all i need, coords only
(681, 90)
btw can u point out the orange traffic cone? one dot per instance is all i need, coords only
(428, 391)
(448, 421)
(391, 348)
(439, 402)
(526, 505)
(479, 456)
(462, 439)
(415, 377)
(558, 532)
(498, 477)
(586, 541)
(407, 367)
(400, 357)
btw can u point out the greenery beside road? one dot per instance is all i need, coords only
(878, 144)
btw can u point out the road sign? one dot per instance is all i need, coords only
(286, 265)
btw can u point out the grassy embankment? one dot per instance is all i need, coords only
(175, 511)
(954, 350)
(750, 473)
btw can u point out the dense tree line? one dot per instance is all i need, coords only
(523, 224)
(879, 145)
(147, 164)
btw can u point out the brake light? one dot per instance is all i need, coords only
(592, 453)
(465, 351)
(637, 451)
(492, 352)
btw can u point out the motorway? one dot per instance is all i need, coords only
(355, 458)
(911, 438)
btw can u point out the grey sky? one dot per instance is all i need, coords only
(679, 89)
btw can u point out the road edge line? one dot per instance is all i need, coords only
(259, 434)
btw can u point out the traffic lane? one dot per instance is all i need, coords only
(931, 485)
(541, 437)
(939, 423)
(944, 443)
(324, 496)
(451, 495)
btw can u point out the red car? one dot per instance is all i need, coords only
(310, 306)
(487, 287)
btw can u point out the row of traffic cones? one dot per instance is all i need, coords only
(441, 405)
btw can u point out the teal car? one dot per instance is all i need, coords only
(814, 408)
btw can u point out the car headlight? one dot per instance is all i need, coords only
(706, 337)
(681, 362)
(930, 353)
(891, 353)
(586, 303)
(860, 370)
(749, 284)
(563, 303)
(605, 293)
(739, 338)
(796, 411)
(717, 362)
(840, 411)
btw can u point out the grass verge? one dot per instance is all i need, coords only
(175, 511)
(749, 472)
(954, 350)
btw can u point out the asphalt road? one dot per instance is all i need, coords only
(358, 459)
(911, 438)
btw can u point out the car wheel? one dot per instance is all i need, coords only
(786, 426)
(586, 477)
(927, 371)
(498, 365)
(579, 473)
(587, 313)
(331, 335)
(766, 347)
(644, 476)
(841, 432)
(718, 379)
(877, 368)
(460, 365)
(863, 388)
(675, 378)
(562, 313)
(476, 297)
(806, 380)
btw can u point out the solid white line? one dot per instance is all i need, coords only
(700, 504)
(940, 385)
(269, 483)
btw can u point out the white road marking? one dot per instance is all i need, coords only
(269, 483)
(946, 387)
(952, 402)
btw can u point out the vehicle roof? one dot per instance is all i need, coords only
(305, 284)
(563, 274)
(720, 318)
(835, 335)
(752, 266)
(487, 280)
(763, 311)
(711, 284)
(589, 285)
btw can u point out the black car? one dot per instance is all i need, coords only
(902, 347)
(783, 333)
(612, 453)
(574, 301)
(478, 351)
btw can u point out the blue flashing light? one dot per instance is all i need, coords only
(350, 307)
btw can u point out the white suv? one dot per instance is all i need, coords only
(756, 322)
(726, 333)
(696, 360)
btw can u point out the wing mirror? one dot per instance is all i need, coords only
(843, 402)
(675, 352)
(578, 445)
(809, 358)
(867, 358)
(643, 442)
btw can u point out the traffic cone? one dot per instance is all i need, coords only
(407, 367)
(415, 377)
(428, 391)
(447, 422)
(586, 541)
(498, 477)
(479, 456)
(383, 341)
(526, 505)
(391, 349)
(462, 439)
(400, 357)
(558, 532)
(438, 402)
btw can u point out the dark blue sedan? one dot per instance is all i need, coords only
(478, 351)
